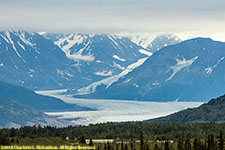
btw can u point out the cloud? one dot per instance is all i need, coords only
(113, 15)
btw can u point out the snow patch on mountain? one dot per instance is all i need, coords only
(112, 38)
(110, 80)
(98, 61)
(118, 58)
(31, 70)
(42, 33)
(21, 45)
(180, 65)
(23, 38)
(77, 57)
(135, 85)
(155, 83)
(118, 66)
(128, 80)
(210, 69)
(5, 38)
(142, 51)
(12, 43)
(103, 73)
(70, 41)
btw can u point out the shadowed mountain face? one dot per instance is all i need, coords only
(36, 101)
(14, 114)
(192, 70)
(214, 110)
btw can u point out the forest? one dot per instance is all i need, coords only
(123, 136)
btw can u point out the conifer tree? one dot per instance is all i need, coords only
(196, 144)
(105, 146)
(147, 146)
(12, 132)
(180, 145)
(117, 147)
(126, 147)
(17, 140)
(132, 139)
(156, 147)
(187, 145)
(221, 141)
(166, 145)
(108, 146)
(122, 147)
(210, 142)
(91, 142)
(82, 139)
(141, 141)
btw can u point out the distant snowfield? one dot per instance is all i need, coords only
(115, 110)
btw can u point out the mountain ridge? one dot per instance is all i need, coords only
(187, 71)
(213, 110)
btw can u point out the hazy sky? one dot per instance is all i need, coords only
(185, 18)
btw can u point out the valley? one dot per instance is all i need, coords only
(112, 75)
(109, 77)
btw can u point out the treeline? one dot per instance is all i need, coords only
(189, 144)
(152, 131)
(144, 136)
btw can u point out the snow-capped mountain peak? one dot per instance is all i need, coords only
(153, 43)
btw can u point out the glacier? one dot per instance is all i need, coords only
(114, 110)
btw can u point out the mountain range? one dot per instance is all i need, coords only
(41, 61)
(192, 70)
(55, 61)
(110, 66)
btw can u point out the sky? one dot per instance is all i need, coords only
(185, 18)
